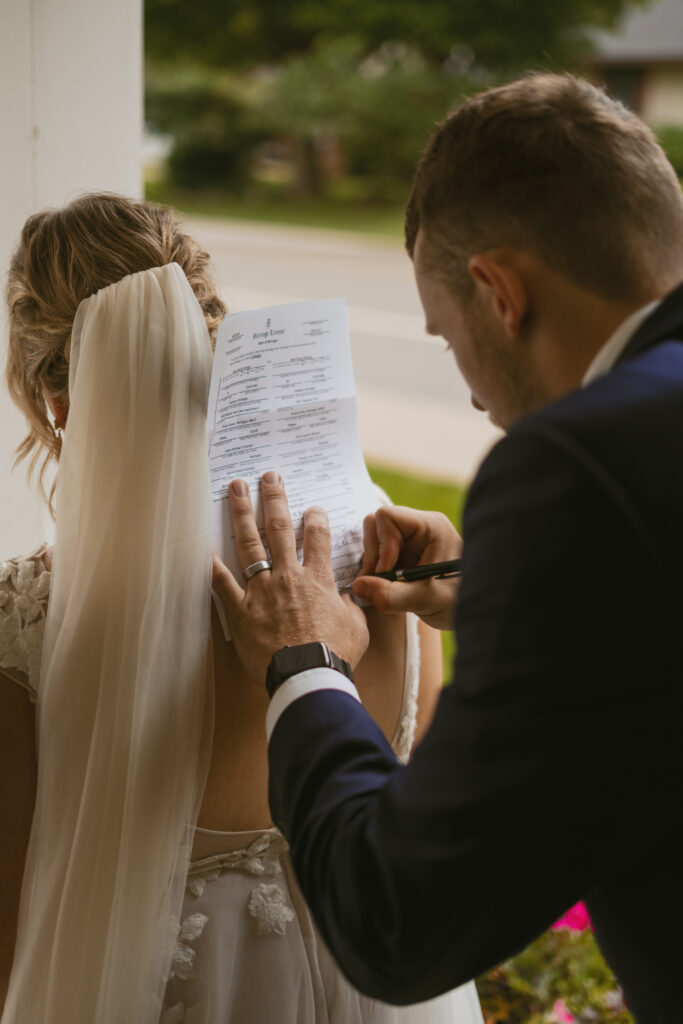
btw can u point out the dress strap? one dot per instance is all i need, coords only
(404, 736)
(402, 742)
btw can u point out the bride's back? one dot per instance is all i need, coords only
(236, 796)
(235, 799)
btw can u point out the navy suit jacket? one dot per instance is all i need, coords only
(552, 771)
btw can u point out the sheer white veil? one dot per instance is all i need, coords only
(125, 705)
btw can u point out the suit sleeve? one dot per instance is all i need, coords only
(421, 877)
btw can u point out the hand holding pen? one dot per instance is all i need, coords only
(433, 570)
(410, 563)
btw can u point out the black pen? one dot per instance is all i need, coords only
(435, 570)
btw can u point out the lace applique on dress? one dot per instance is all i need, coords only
(261, 857)
(268, 905)
(267, 902)
(182, 962)
(180, 1014)
(24, 592)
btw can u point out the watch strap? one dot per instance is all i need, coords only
(290, 661)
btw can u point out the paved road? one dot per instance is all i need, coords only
(415, 409)
(415, 412)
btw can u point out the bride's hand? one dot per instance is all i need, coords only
(291, 604)
(398, 537)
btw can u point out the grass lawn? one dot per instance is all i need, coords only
(339, 214)
(418, 492)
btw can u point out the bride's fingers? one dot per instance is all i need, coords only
(317, 541)
(370, 545)
(248, 541)
(225, 585)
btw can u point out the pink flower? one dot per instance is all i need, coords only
(577, 919)
(562, 1014)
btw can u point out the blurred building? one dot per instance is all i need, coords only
(641, 61)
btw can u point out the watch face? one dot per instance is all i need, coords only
(289, 661)
(298, 659)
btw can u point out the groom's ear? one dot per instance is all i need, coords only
(502, 288)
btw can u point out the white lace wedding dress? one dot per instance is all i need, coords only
(247, 951)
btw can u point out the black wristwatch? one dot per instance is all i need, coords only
(289, 661)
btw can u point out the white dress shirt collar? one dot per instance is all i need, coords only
(608, 355)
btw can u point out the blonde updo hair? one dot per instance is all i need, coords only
(63, 257)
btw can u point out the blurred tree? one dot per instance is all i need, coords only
(381, 106)
(212, 124)
(500, 35)
(372, 75)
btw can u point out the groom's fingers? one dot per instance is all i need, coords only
(248, 541)
(277, 521)
(390, 598)
(225, 585)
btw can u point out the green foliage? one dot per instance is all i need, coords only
(381, 106)
(212, 125)
(306, 94)
(369, 77)
(394, 101)
(560, 966)
(222, 33)
(496, 34)
(671, 139)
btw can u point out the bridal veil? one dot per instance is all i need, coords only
(124, 711)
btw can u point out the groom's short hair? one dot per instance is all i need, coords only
(553, 165)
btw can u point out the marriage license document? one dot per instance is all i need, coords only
(283, 397)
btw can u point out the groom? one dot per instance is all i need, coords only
(546, 232)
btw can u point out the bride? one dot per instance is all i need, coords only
(133, 793)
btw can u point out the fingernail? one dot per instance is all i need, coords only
(238, 488)
(271, 477)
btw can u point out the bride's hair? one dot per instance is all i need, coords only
(63, 257)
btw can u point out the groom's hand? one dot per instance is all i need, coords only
(397, 537)
(290, 604)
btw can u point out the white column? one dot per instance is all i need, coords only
(70, 121)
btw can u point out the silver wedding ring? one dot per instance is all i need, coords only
(254, 569)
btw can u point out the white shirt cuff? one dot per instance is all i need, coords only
(302, 683)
